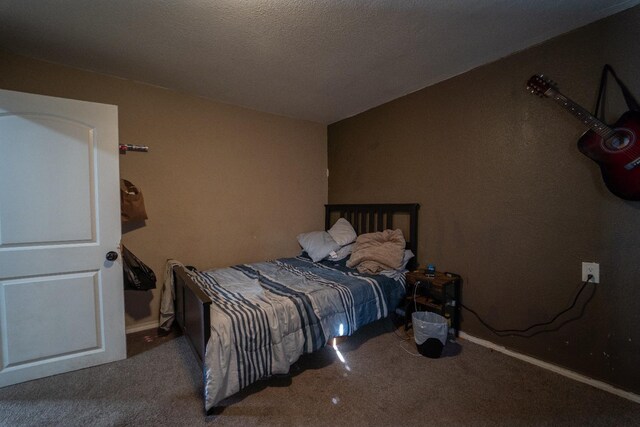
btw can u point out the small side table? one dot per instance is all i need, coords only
(439, 294)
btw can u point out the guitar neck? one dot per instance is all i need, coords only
(583, 115)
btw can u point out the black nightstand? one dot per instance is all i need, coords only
(439, 294)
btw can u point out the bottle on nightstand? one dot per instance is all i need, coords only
(430, 271)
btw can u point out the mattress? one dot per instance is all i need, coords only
(265, 315)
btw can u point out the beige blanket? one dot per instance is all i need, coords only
(374, 252)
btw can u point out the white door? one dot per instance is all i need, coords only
(61, 301)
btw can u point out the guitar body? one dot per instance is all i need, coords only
(618, 157)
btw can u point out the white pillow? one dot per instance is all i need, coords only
(341, 253)
(317, 244)
(343, 232)
(408, 254)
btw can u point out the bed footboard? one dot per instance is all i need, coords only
(192, 312)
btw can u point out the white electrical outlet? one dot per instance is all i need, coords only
(591, 268)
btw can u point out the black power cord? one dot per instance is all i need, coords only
(523, 332)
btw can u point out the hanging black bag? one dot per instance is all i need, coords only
(137, 275)
(631, 102)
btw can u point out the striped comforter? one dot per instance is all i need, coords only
(265, 315)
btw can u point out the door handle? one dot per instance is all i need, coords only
(112, 256)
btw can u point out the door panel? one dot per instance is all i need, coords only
(61, 303)
(63, 210)
(36, 310)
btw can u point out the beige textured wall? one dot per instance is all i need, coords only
(507, 200)
(222, 184)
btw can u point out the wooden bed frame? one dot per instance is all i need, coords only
(192, 305)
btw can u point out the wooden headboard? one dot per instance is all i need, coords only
(369, 218)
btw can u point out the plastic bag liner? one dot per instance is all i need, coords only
(137, 275)
(430, 332)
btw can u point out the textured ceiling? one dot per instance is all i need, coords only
(321, 60)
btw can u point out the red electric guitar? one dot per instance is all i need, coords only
(615, 149)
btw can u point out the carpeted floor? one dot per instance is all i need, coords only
(378, 383)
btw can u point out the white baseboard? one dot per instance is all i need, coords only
(554, 368)
(142, 326)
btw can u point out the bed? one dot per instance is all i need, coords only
(265, 315)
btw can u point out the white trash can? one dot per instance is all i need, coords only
(430, 332)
